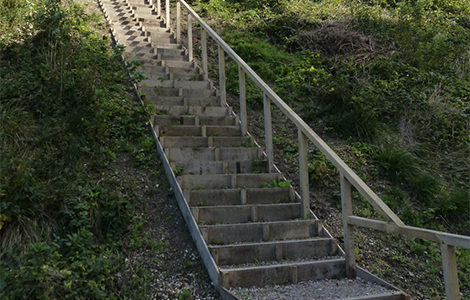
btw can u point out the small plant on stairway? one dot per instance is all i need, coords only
(179, 171)
(277, 183)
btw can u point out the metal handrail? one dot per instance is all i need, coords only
(348, 177)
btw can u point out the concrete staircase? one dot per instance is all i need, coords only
(250, 220)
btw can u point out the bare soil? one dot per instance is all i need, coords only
(167, 256)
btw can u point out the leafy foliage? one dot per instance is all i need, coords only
(390, 75)
(64, 113)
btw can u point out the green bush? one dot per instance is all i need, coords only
(64, 113)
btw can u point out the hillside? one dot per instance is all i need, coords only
(387, 85)
(85, 209)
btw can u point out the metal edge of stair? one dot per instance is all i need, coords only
(193, 227)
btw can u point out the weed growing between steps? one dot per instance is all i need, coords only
(67, 214)
(387, 84)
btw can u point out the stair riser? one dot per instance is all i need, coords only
(163, 75)
(193, 85)
(244, 214)
(175, 92)
(184, 155)
(234, 196)
(163, 120)
(221, 167)
(283, 274)
(259, 232)
(175, 100)
(189, 182)
(212, 111)
(278, 251)
(198, 131)
(179, 142)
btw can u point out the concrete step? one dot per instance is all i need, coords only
(215, 141)
(161, 44)
(197, 182)
(180, 100)
(246, 253)
(185, 155)
(177, 92)
(150, 71)
(159, 35)
(141, 7)
(220, 167)
(138, 47)
(155, 25)
(163, 40)
(165, 120)
(130, 30)
(123, 22)
(170, 51)
(239, 196)
(164, 75)
(140, 56)
(146, 14)
(151, 21)
(282, 273)
(162, 52)
(175, 63)
(118, 12)
(385, 296)
(185, 84)
(246, 213)
(179, 110)
(225, 234)
(132, 39)
(192, 130)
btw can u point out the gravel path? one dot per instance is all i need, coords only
(313, 290)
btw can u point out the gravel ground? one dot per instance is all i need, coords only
(312, 290)
(160, 248)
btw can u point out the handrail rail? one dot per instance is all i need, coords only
(440, 237)
(348, 177)
(357, 182)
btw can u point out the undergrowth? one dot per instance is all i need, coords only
(389, 79)
(66, 111)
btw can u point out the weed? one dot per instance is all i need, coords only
(276, 183)
(179, 171)
(213, 241)
(186, 294)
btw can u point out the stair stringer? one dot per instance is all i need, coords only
(208, 260)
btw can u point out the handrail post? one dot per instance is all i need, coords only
(204, 53)
(242, 89)
(268, 132)
(303, 174)
(178, 22)
(159, 7)
(167, 13)
(449, 266)
(190, 37)
(222, 83)
(348, 229)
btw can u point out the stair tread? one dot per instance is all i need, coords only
(323, 260)
(271, 232)
(344, 289)
(250, 205)
(309, 221)
(245, 244)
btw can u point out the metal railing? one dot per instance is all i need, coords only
(348, 178)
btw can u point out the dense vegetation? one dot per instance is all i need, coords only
(390, 78)
(387, 80)
(66, 110)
